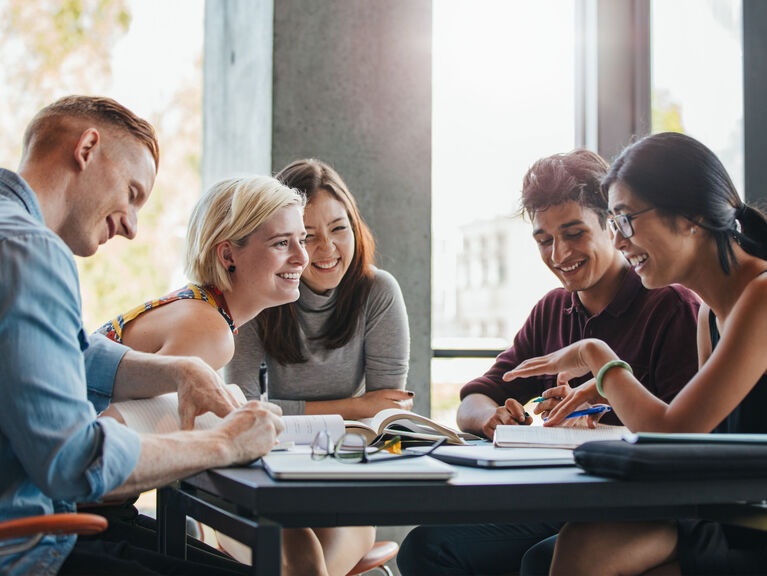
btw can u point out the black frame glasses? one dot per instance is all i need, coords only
(352, 448)
(622, 222)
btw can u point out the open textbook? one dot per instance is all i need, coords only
(554, 437)
(394, 421)
(160, 415)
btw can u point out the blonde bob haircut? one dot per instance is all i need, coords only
(230, 210)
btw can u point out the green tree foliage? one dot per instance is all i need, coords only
(126, 273)
(50, 48)
(666, 114)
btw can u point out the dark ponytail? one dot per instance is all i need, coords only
(750, 231)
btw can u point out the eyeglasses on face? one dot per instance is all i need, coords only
(622, 222)
(352, 448)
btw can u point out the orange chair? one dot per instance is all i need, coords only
(376, 559)
(31, 529)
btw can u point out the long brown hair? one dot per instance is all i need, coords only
(278, 326)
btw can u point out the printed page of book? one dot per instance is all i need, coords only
(302, 429)
(357, 427)
(554, 437)
(409, 420)
(159, 415)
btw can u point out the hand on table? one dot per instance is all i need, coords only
(371, 403)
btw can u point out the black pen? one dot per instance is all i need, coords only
(263, 382)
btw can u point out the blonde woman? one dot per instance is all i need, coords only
(343, 347)
(244, 253)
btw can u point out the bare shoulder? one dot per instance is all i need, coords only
(203, 332)
(749, 315)
(196, 316)
(185, 328)
(754, 296)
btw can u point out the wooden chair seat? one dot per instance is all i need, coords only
(381, 553)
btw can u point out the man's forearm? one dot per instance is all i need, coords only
(142, 375)
(164, 459)
(474, 411)
(246, 434)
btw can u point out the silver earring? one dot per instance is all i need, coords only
(692, 229)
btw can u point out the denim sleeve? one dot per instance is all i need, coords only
(102, 356)
(47, 423)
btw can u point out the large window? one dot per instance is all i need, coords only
(503, 96)
(697, 75)
(146, 55)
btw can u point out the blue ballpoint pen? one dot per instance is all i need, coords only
(587, 411)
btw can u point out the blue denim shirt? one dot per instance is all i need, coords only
(53, 450)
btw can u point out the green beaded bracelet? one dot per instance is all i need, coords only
(603, 370)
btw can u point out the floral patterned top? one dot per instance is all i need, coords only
(114, 328)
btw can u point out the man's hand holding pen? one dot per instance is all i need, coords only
(510, 412)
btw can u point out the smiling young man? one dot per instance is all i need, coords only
(88, 165)
(601, 297)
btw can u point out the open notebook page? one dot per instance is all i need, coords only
(559, 437)
(159, 415)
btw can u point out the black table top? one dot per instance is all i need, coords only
(472, 495)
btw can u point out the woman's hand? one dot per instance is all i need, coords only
(552, 398)
(583, 396)
(556, 396)
(568, 362)
(371, 403)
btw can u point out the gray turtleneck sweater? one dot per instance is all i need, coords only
(375, 358)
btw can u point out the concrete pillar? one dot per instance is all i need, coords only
(352, 86)
(237, 89)
(349, 82)
(754, 94)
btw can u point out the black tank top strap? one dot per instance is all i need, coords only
(748, 416)
(713, 330)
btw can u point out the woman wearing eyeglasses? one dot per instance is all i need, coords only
(677, 218)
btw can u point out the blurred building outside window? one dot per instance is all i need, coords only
(503, 96)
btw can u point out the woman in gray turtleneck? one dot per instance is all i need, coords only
(343, 347)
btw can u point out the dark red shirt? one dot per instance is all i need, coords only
(653, 330)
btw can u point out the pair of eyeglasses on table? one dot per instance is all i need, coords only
(353, 449)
